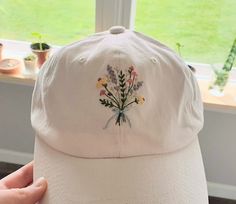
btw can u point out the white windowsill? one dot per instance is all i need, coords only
(18, 50)
(204, 73)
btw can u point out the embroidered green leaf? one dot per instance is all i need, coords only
(123, 89)
(122, 85)
(106, 103)
(123, 100)
(122, 80)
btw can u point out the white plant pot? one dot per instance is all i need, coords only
(31, 66)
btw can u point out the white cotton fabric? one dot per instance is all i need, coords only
(77, 136)
(172, 178)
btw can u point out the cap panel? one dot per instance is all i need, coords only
(69, 99)
(73, 116)
(166, 121)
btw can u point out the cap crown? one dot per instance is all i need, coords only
(116, 95)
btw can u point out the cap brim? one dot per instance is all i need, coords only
(173, 178)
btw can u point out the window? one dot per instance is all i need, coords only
(205, 29)
(60, 22)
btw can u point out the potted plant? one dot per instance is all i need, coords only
(221, 75)
(30, 62)
(40, 48)
(179, 47)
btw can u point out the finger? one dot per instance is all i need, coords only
(6, 197)
(28, 195)
(18, 179)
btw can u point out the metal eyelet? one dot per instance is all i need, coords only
(154, 60)
(82, 59)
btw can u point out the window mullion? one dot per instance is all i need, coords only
(114, 12)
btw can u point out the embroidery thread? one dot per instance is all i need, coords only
(118, 90)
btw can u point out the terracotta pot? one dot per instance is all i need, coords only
(42, 55)
(1, 48)
(10, 66)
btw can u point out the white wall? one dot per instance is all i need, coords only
(217, 139)
(218, 145)
(15, 128)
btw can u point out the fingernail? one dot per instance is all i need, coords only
(40, 182)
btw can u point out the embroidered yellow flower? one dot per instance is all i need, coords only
(140, 99)
(101, 82)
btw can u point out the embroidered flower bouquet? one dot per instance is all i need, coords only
(119, 91)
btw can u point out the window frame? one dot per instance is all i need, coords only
(114, 12)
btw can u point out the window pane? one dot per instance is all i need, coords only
(60, 22)
(206, 28)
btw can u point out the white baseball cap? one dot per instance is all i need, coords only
(117, 117)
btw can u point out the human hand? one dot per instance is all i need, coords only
(17, 188)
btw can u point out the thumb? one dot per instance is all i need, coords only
(28, 195)
(32, 193)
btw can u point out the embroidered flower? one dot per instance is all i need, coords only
(111, 74)
(138, 85)
(102, 92)
(140, 100)
(130, 81)
(119, 93)
(134, 74)
(101, 82)
(131, 68)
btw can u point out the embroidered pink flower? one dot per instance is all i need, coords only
(131, 68)
(102, 92)
(134, 74)
(130, 81)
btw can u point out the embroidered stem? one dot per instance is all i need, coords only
(117, 102)
(112, 100)
(118, 118)
(129, 78)
(122, 117)
(130, 103)
(118, 95)
(130, 87)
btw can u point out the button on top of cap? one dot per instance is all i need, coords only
(117, 29)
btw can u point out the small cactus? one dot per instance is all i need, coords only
(30, 57)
